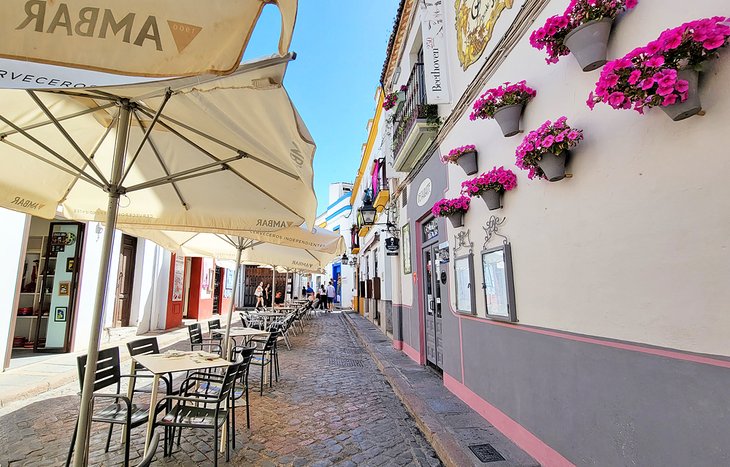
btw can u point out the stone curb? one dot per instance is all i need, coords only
(448, 448)
(175, 336)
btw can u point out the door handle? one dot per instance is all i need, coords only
(431, 305)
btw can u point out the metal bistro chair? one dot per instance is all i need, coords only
(211, 387)
(197, 342)
(199, 412)
(148, 346)
(265, 355)
(106, 374)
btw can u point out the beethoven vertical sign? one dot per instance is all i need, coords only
(434, 53)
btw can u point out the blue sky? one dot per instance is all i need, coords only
(340, 50)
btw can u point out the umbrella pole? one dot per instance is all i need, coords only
(97, 319)
(273, 285)
(286, 284)
(226, 340)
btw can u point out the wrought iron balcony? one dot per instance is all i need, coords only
(415, 124)
(380, 184)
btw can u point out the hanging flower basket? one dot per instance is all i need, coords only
(493, 199)
(456, 219)
(454, 209)
(504, 104)
(664, 73)
(589, 42)
(553, 165)
(490, 186)
(543, 152)
(691, 105)
(394, 98)
(582, 29)
(464, 156)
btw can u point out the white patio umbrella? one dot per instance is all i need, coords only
(296, 248)
(137, 37)
(201, 154)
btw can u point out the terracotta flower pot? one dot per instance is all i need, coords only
(468, 162)
(493, 198)
(553, 165)
(508, 118)
(588, 43)
(691, 106)
(457, 219)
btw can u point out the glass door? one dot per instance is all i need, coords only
(58, 286)
(432, 292)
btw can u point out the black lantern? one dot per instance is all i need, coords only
(344, 258)
(368, 213)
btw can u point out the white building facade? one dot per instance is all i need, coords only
(585, 319)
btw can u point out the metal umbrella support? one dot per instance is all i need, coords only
(101, 288)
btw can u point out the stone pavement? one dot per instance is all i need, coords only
(53, 371)
(331, 407)
(448, 424)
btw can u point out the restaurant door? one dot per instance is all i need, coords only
(58, 287)
(432, 308)
(125, 279)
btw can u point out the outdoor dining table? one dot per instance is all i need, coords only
(266, 315)
(170, 362)
(246, 333)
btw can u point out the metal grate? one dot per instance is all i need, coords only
(486, 453)
(345, 362)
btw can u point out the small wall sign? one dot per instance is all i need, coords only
(424, 192)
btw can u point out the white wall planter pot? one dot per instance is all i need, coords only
(691, 106)
(457, 220)
(588, 43)
(508, 118)
(553, 165)
(468, 162)
(493, 199)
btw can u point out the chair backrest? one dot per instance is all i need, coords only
(214, 324)
(244, 320)
(107, 369)
(195, 333)
(246, 353)
(145, 346)
(271, 341)
(228, 381)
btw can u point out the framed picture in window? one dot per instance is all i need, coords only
(464, 284)
(499, 291)
(406, 245)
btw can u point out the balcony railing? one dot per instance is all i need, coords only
(413, 108)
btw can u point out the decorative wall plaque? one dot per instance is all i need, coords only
(475, 20)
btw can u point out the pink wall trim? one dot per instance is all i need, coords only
(412, 353)
(530, 443)
(398, 345)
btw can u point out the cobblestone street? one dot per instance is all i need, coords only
(331, 407)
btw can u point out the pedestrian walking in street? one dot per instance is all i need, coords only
(304, 291)
(259, 294)
(331, 293)
(267, 294)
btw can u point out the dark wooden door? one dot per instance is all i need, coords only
(125, 278)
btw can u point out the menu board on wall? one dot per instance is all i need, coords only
(462, 283)
(178, 279)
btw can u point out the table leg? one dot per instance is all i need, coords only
(153, 406)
